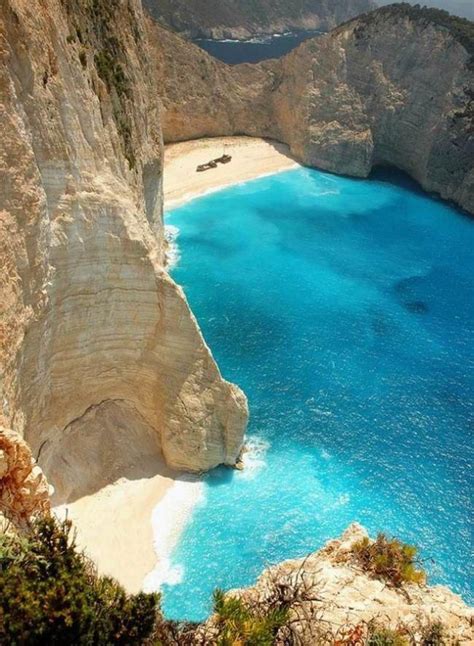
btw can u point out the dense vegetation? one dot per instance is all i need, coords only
(240, 624)
(51, 594)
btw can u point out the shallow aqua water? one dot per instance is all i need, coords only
(345, 310)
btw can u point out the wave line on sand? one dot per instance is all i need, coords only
(169, 519)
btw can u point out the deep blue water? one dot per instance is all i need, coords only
(345, 310)
(255, 50)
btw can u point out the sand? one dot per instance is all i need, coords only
(114, 527)
(251, 158)
(130, 527)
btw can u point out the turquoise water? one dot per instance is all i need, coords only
(344, 308)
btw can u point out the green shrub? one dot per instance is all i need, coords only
(51, 594)
(386, 637)
(239, 624)
(388, 559)
(435, 635)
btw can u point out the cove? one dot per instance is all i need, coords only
(344, 309)
(254, 50)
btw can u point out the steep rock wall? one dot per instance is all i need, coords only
(394, 87)
(89, 314)
(391, 88)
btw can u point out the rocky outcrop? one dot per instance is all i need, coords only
(243, 19)
(24, 491)
(394, 87)
(93, 329)
(332, 600)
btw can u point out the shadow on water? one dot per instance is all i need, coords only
(220, 476)
(397, 177)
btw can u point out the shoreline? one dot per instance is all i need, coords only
(130, 527)
(113, 526)
(252, 158)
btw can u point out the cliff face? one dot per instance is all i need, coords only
(246, 18)
(394, 87)
(101, 354)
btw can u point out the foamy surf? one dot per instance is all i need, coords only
(169, 520)
(254, 457)
(172, 251)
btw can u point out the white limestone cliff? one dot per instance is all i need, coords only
(94, 332)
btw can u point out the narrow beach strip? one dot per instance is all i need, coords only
(251, 158)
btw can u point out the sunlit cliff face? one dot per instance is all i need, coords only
(103, 361)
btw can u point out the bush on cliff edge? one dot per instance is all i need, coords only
(388, 559)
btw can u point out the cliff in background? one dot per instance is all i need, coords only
(103, 364)
(394, 87)
(463, 8)
(246, 18)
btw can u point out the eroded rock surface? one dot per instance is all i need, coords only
(90, 317)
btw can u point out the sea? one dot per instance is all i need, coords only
(255, 49)
(344, 308)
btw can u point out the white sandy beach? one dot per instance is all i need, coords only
(114, 527)
(251, 158)
(130, 527)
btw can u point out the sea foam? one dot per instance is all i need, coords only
(254, 457)
(172, 251)
(169, 519)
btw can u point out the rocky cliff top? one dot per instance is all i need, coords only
(246, 18)
(333, 600)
